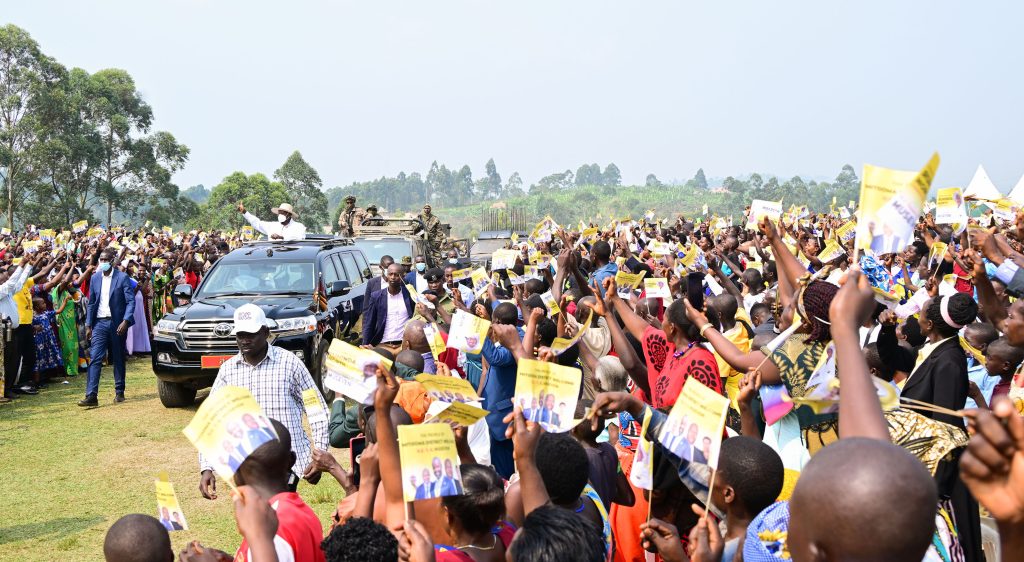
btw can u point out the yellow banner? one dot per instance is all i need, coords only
(693, 430)
(468, 332)
(430, 462)
(547, 393)
(448, 389)
(352, 371)
(167, 507)
(890, 203)
(227, 427)
(458, 414)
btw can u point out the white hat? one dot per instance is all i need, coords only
(249, 318)
(285, 208)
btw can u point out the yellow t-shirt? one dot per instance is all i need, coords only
(23, 299)
(738, 336)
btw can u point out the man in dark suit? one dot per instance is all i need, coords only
(389, 311)
(374, 285)
(111, 312)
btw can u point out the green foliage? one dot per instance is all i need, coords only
(197, 193)
(699, 181)
(305, 191)
(257, 192)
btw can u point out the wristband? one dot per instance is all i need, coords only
(704, 328)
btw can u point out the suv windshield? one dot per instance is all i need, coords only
(258, 277)
(374, 249)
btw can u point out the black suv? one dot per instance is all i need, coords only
(311, 290)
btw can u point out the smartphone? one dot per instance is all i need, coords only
(355, 449)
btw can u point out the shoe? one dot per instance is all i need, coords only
(26, 390)
(118, 398)
(4, 399)
(89, 402)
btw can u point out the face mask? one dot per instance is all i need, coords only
(421, 267)
(282, 218)
(104, 266)
(453, 261)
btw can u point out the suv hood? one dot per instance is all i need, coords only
(274, 306)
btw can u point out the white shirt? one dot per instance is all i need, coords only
(9, 308)
(292, 231)
(398, 316)
(104, 310)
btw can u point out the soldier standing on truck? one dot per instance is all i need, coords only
(372, 218)
(351, 217)
(435, 236)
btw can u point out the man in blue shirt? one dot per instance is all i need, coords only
(601, 255)
(500, 384)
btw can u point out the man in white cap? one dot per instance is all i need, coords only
(277, 379)
(286, 228)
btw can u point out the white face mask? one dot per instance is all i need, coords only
(282, 218)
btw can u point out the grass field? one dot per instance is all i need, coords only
(69, 473)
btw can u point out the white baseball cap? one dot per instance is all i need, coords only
(249, 318)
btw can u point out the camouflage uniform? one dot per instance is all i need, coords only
(371, 218)
(436, 239)
(349, 220)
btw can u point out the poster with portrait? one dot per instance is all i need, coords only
(890, 203)
(228, 426)
(352, 371)
(547, 393)
(693, 430)
(950, 207)
(468, 332)
(448, 389)
(430, 462)
(167, 507)
(455, 414)
(760, 209)
(627, 282)
(657, 288)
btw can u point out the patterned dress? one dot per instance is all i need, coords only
(47, 349)
(796, 361)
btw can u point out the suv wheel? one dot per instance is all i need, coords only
(320, 370)
(173, 395)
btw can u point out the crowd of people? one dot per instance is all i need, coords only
(896, 465)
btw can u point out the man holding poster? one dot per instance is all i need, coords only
(276, 378)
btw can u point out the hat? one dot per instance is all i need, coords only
(427, 206)
(350, 198)
(371, 206)
(285, 208)
(406, 260)
(249, 318)
(434, 274)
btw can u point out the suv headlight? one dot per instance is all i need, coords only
(299, 325)
(166, 328)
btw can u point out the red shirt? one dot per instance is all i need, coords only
(666, 372)
(298, 528)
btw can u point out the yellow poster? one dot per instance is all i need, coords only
(315, 411)
(352, 371)
(760, 209)
(642, 473)
(418, 298)
(468, 332)
(480, 280)
(846, 232)
(80, 226)
(890, 203)
(434, 339)
(227, 427)
(47, 234)
(628, 282)
(430, 462)
(657, 287)
(167, 507)
(659, 248)
(167, 230)
(503, 259)
(547, 393)
(831, 251)
(936, 253)
(1005, 210)
(247, 232)
(950, 207)
(690, 256)
(448, 389)
(457, 414)
(461, 274)
(550, 303)
(693, 430)
(31, 246)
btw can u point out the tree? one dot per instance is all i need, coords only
(589, 174)
(756, 182)
(197, 193)
(25, 73)
(258, 193)
(462, 188)
(652, 181)
(514, 186)
(493, 179)
(699, 180)
(611, 175)
(305, 190)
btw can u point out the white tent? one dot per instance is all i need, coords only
(981, 187)
(1017, 195)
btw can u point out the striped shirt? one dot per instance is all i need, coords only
(277, 383)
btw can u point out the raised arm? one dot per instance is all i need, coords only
(387, 448)
(634, 323)
(727, 350)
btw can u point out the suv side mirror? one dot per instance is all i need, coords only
(340, 288)
(183, 291)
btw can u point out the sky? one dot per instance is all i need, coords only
(371, 88)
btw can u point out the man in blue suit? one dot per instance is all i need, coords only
(390, 309)
(111, 312)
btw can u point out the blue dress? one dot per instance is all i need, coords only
(47, 347)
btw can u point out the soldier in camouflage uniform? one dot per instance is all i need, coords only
(351, 217)
(436, 239)
(371, 218)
